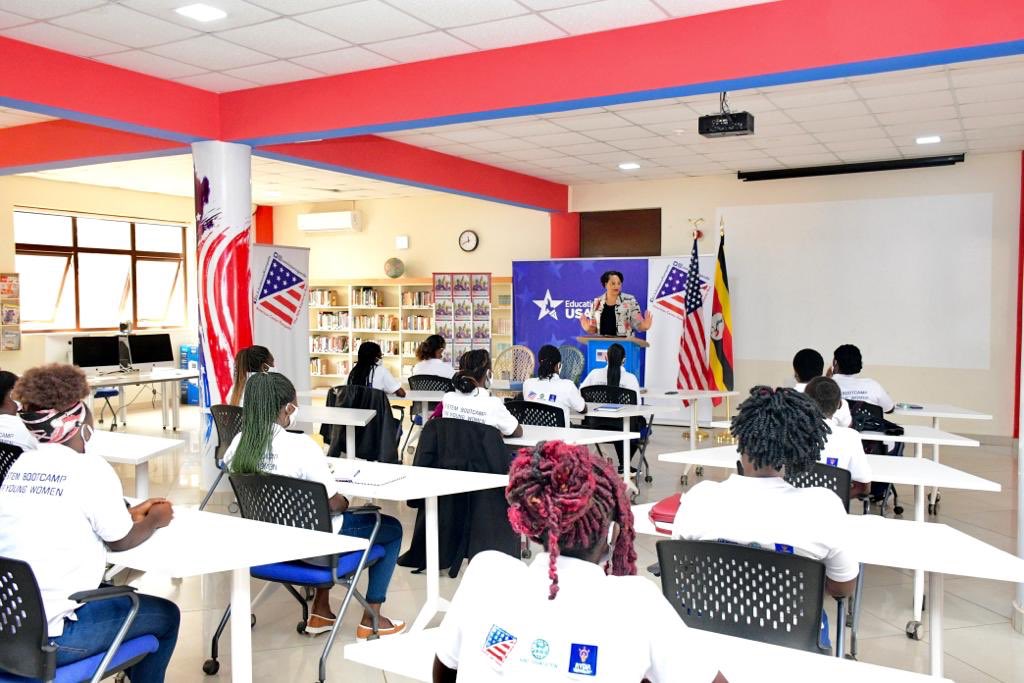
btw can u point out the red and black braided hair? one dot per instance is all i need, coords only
(565, 498)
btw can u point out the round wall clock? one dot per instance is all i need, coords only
(468, 240)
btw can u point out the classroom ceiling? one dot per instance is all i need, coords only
(16, 117)
(262, 42)
(273, 182)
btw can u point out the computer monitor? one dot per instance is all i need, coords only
(150, 348)
(94, 352)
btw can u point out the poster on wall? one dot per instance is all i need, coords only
(10, 312)
(462, 312)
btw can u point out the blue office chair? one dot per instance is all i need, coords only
(301, 504)
(25, 651)
(107, 393)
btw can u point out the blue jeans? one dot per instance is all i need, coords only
(389, 536)
(98, 623)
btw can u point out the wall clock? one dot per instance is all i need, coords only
(468, 240)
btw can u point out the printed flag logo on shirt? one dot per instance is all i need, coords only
(682, 295)
(281, 291)
(498, 644)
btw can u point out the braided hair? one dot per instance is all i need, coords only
(428, 348)
(548, 359)
(615, 356)
(366, 360)
(565, 498)
(265, 395)
(249, 360)
(780, 428)
(473, 368)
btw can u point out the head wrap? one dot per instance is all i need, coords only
(55, 426)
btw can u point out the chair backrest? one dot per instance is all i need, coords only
(747, 592)
(835, 479)
(430, 383)
(515, 364)
(282, 500)
(24, 645)
(572, 363)
(8, 454)
(228, 421)
(600, 393)
(534, 413)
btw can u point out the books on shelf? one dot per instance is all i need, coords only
(323, 297)
(417, 298)
(328, 366)
(418, 323)
(367, 296)
(381, 321)
(328, 344)
(330, 320)
(389, 347)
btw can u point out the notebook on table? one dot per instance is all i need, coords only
(355, 474)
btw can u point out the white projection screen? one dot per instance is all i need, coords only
(908, 279)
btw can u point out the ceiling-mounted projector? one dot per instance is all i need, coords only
(726, 123)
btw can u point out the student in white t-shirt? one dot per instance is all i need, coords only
(12, 429)
(843, 447)
(613, 375)
(429, 354)
(370, 372)
(548, 387)
(265, 445)
(847, 363)
(472, 401)
(248, 362)
(61, 508)
(808, 364)
(776, 430)
(577, 612)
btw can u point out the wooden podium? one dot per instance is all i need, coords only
(597, 350)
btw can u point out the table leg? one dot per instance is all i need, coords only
(918, 517)
(350, 442)
(693, 424)
(142, 480)
(933, 498)
(163, 403)
(241, 635)
(627, 470)
(122, 410)
(935, 600)
(433, 604)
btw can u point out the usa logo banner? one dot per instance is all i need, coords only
(282, 290)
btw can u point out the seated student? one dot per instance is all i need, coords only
(843, 447)
(577, 611)
(369, 372)
(613, 375)
(775, 429)
(548, 387)
(64, 532)
(808, 364)
(265, 445)
(12, 429)
(429, 355)
(846, 363)
(471, 399)
(248, 362)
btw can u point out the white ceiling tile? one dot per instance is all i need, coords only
(910, 115)
(811, 97)
(738, 155)
(626, 132)
(667, 152)
(274, 72)
(911, 101)
(10, 118)
(686, 8)
(290, 7)
(850, 134)
(840, 124)
(367, 21)
(239, 13)
(123, 25)
(653, 142)
(861, 156)
(558, 139)
(996, 121)
(986, 75)
(677, 114)
(670, 127)
(591, 122)
(795, 161)
(45, 9)
(533, 154)
(147, 63)
(585, 148)
(563, 162)
(985, 93)
(798, 150)
(529, 28)
(603, 15)
(420, 47)
(776, 141)
(458, 149)
(827, 111)
(992, 108)
(528, 128)
(345, 60)
(459, 12)
(903, 85)
(7, 19)
(876, 144)
(62, 39)
(997, 144)
(217, 82)
(283, 38)
(418, 139)
(777, 129)
(211, 53)
(471, 135)
(913, 150)
(922, 128)
(505, 145)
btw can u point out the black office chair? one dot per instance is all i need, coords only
(535, 413)
(627, 397)
(424, 383)
(227, 420)
(868, 417)
(301, 504)
(25, 650)
(573, 363)
(8, 454)
(746, 592)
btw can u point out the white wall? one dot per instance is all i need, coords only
(989, 387)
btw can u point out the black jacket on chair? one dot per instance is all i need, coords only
(468, 523)
(377, 440)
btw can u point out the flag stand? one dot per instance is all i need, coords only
(725, 436)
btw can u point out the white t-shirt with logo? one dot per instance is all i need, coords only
(599, 377)
(381, 378)
(557, 391)
(480, 406)
(769, 512)
(842, 415)
(57, 507)
(14, 432)
(501, 626)
(864, 389)
(844, 449)
(435, 367)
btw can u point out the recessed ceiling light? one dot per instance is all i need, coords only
(201, 12)
(928, 139)
(628, 166)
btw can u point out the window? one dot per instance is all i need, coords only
(90, 273)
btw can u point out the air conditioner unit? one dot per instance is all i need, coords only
(330, 221)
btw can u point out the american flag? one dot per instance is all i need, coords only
(682, 295)
(499, 643)
(281, 291)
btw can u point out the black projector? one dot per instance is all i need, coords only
(726, 123)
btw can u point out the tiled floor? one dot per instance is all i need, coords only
(980, 645)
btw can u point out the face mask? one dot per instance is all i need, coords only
(487, 380)
(17, 405)
(606, 558)
(86, 431)
(293, 417)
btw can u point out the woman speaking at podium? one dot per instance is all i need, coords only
(615, 314)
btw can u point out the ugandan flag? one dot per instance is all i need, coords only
(721, 358)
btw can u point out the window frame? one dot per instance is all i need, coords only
(74, 250)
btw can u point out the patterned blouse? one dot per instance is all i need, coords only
(627, 314)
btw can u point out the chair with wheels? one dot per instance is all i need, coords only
(535, 413)
(752, 593)
(8, 454)
(621, 396)
(25, 650)
(227, 420)
(514, 364)
(107, 393)
(424, 383)
(301, 504)
(572, 363)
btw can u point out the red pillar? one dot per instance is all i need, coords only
(565, 235)
(263, 225)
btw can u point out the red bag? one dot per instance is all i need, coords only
(664, 513)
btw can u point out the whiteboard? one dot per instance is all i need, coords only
(908, 279)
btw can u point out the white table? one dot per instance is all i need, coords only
(677, 397)
(533, 435)
(132, 449)
(350, 418)
(166, 378)
(624, 413)
(197, 543)
(427, 483)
